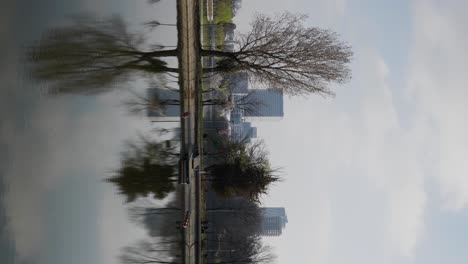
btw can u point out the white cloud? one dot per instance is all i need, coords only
(368, 152)
(321, 13)
(364, 143)
(438, 81)
(58, 144)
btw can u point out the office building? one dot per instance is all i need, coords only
(274, 220)
(270, 105)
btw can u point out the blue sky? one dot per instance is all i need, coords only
(377, 174)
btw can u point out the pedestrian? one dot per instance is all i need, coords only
(185, 115)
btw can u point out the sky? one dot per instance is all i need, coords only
(376, 174)
(372, 175)
(57, 151)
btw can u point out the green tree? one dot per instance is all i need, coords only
(147, 167)
(244, 171)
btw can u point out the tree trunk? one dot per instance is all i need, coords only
(218, 53)
(161, 53)
(232, 261)
(209, 90)
(229, 210)
(152, 69)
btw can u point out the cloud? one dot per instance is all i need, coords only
(322, 13)
(61, 141)
(362, 156)
(389, 155)
(437, 81)
(359, 140)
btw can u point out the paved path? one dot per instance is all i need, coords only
(188, 28)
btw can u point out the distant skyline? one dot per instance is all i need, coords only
(377, 172)
(274, 220)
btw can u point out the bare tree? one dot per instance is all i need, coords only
(282, 53)
(248, 103)
(245, 249)
(146, 252)
(279, 52)
(140, 103)
(245, 102)
(91, 54)
(160, 220)
(237, 213)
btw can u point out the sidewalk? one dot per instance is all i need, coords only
(189, 43)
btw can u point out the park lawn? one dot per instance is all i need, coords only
(203, 22)
(223, 11)
(222, 14)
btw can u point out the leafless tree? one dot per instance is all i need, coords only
(248, 250)
(160, 220)
(139, 103)
(279, 52)
(146, 252)
(247, 103)
(246, 213)
(282, 53)
(92, 54)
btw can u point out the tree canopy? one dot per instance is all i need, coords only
(244, 172)
(147, 167)
(92, 54)
(283, 53)
(280, 52)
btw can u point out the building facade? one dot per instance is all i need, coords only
(270, 106)
(265, 105)
(274, 220)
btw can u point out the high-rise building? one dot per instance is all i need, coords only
(254, 105)
(238, 83)
(274, 219)
(270, 105)
(242, 130)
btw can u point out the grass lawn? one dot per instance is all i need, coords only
(222, 14)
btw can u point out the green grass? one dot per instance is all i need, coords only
(223, 11)
(222, 14)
